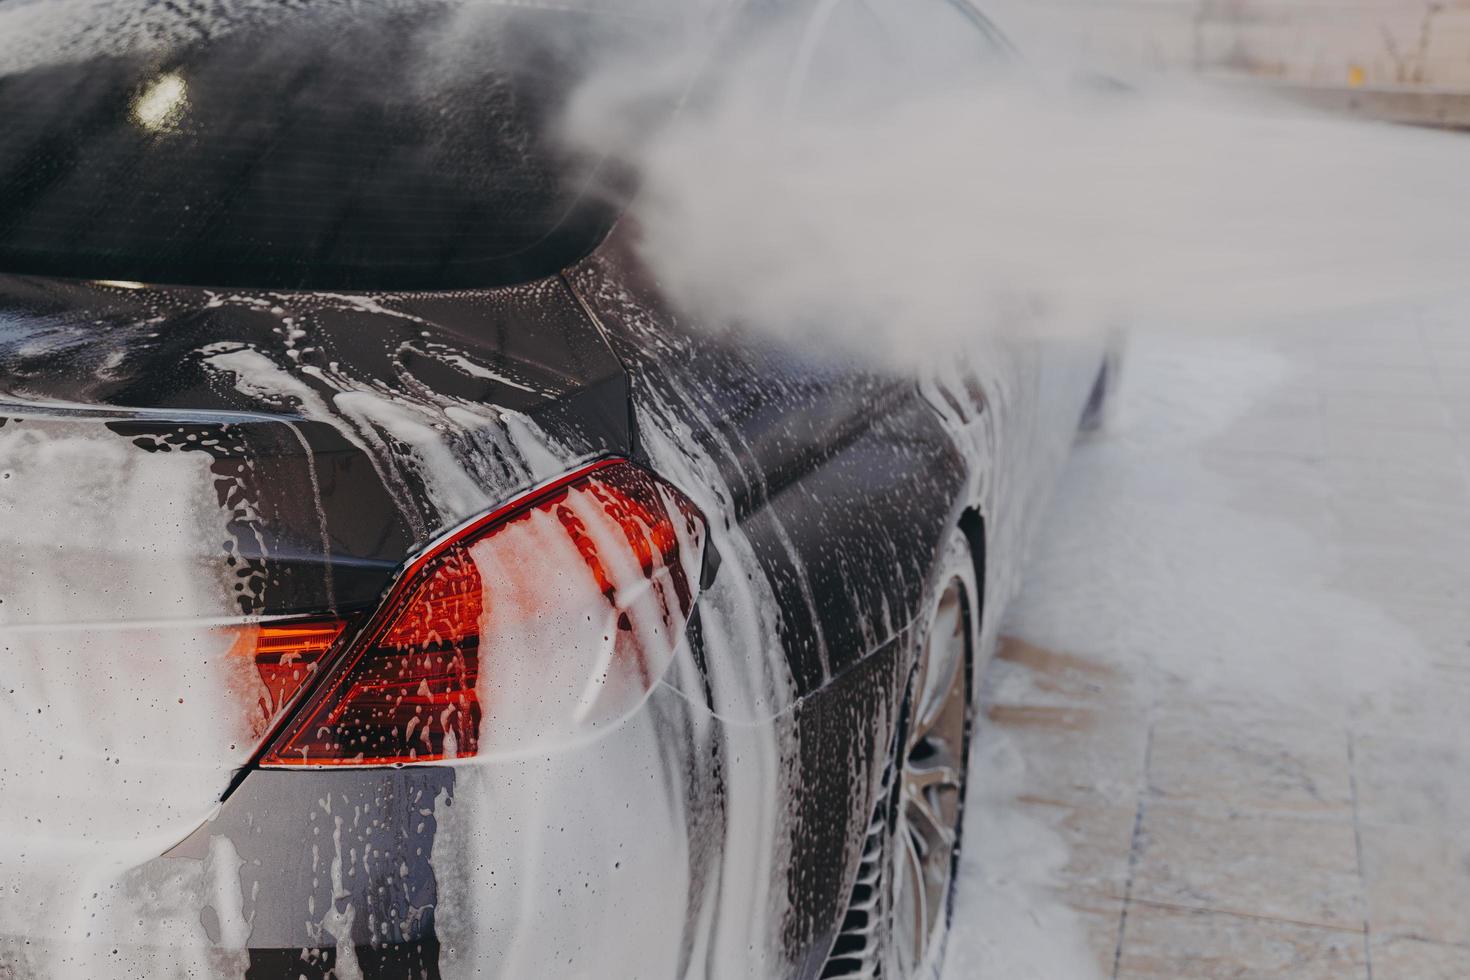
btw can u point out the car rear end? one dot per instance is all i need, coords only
(332, 613)
(313, 668)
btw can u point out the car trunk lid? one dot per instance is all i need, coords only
(180, 468)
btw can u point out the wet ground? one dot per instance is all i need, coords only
(1227, 735)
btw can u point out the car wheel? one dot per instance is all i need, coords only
(930, 769)
(898, 916)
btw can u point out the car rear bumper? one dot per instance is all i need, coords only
(676, 844)
(388, 872)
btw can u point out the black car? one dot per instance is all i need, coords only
(397, 584)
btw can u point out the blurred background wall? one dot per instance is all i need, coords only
(1407, 60)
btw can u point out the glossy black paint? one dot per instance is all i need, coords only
(273, 466)
(843, 479)
(351, 164)
(846, 485)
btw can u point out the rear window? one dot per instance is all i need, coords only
(390, 147)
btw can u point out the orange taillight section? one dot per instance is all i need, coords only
(571, 600)
(286, 656)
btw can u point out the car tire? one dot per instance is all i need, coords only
(931, 768)
(898, 917)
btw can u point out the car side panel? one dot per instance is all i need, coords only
(839, 477)
(830, 487)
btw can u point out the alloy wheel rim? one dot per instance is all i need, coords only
(930, 790)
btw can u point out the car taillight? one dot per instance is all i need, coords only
(544, 620)
(286, 656)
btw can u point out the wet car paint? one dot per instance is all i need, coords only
(315, 441)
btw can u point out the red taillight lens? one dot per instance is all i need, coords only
(541, 621)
